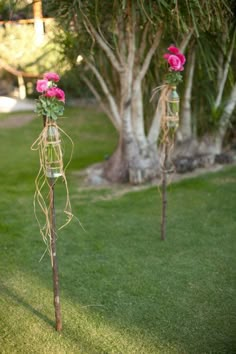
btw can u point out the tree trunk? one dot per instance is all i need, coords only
(22, 87)
(130, 163)
(213, 144)
(185, 130)
(38, 22)
(137, 114)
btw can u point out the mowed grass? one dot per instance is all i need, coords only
(122, 289)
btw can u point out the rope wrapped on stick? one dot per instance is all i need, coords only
(169, 103)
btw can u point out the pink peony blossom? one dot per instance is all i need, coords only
(41, 85)
(166, 56)
(51, 77)
(181, 58)
(56, 92)
(60, 94)
(175, 63)
(173, 49)
(176, 53)
(51, 92)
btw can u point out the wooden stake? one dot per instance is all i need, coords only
(55, 274)
(164, 192)
(54, 257)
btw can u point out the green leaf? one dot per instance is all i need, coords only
(53, 115)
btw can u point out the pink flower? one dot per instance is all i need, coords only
(42, 85)
(51, 77)
(181, 58)
(173, 49)
(172, 58)
(175, 63)
(166, 56)
(51, 92)
(56, 92)
(60, 94)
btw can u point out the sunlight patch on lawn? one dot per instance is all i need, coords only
(30, 314)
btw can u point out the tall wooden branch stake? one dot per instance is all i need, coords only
(164, 192)
(50, 106)
(55, 274)
(169, 101)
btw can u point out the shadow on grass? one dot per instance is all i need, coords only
(12, 296)
(70, 333)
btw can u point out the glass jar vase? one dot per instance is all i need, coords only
(53, 153)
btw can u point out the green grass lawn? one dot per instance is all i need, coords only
(122, 289)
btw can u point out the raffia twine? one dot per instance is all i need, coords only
(167, 138)
(40, 199)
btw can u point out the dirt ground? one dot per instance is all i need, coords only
(118, 190)
(16, 121)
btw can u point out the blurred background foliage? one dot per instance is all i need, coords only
(213, 25)
(20, 51)
(65, 38)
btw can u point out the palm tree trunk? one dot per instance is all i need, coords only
(185, 130)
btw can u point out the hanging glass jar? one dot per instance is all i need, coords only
(53, 153)
(172, 108)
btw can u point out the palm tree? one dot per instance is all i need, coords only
(212, 75)
(121, 43)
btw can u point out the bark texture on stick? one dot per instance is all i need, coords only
(164, 192)
(54, 258)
